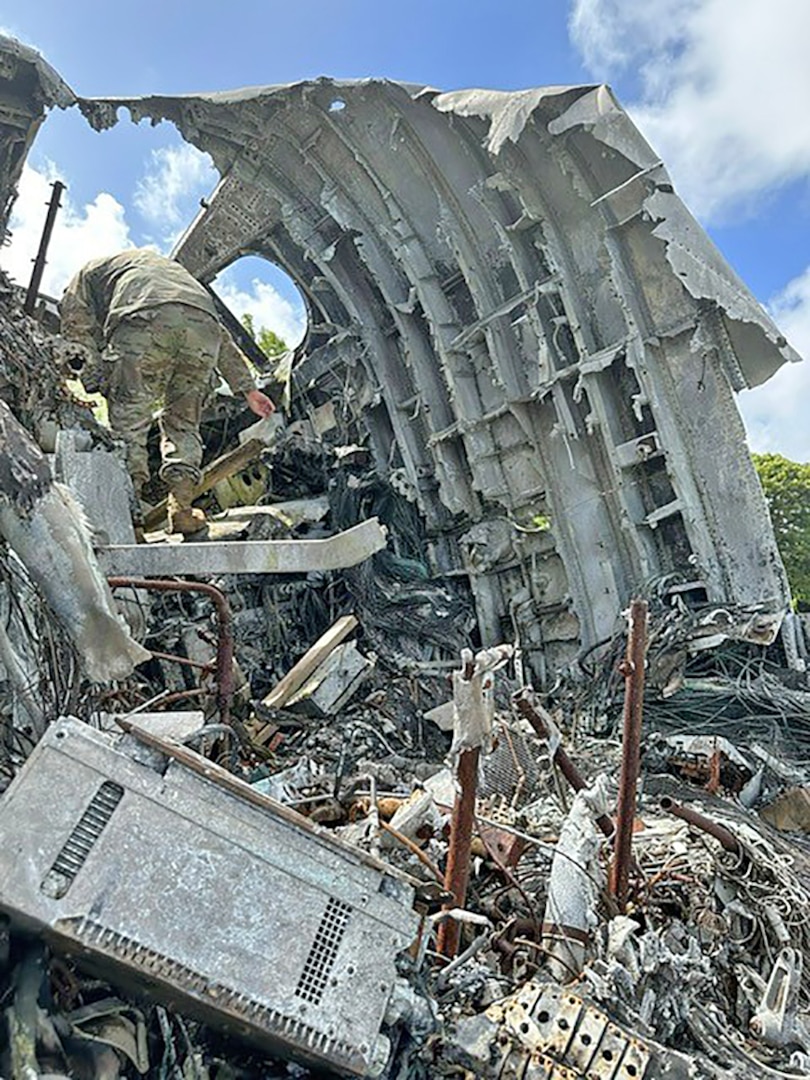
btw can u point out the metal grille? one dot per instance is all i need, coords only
(80, 843)
(156, 965)
(516, 770)
(324, 951)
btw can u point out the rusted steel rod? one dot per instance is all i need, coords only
(632, 668)
(524, 705)
(224, 629)
(415, 850)
(178, 695)
(457, 872)
(184, 660)
(725, 837)
(39, 262)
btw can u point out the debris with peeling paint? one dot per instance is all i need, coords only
(473, 698)
(45, 527)
(575, 884)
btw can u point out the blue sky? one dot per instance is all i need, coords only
(718, 86)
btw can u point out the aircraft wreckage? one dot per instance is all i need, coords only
(472, 739)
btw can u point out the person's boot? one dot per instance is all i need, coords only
(183, 517)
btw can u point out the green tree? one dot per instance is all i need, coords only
(787, 489)
(267, 340)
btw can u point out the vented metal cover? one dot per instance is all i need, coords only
(260, 923)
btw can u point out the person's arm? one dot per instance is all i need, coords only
(79, 322)
(239, 377)
(82, 335)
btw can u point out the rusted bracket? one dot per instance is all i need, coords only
(224, 630)
(457, 873)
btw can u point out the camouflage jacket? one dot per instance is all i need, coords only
(110, 289)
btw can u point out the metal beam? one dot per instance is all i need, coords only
(337, 552)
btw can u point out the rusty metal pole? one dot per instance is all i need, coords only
(457, 874)
(474, 711)
(39, 261)
(457, 871)
(224, 628)
(727, 838)
(633, 670)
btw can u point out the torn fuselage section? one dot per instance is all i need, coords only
(28, 86)
(539, 343)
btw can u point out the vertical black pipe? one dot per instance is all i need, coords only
(39, 261)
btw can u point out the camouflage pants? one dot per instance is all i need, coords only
(163, 357)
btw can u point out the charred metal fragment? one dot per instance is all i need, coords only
(316, 986)
(25, 476)
(45, 527)
(28, 87)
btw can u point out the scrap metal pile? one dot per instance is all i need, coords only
(380, 779)
(139, 871)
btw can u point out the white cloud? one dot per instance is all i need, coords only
(167, 195)
(724, 86)
(776, 414)
(611, 34)
(80, 233)
(270, 310)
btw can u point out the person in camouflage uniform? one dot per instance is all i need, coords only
(152, 332)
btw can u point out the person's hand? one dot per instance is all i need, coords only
(73, 357)
(259, 403)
